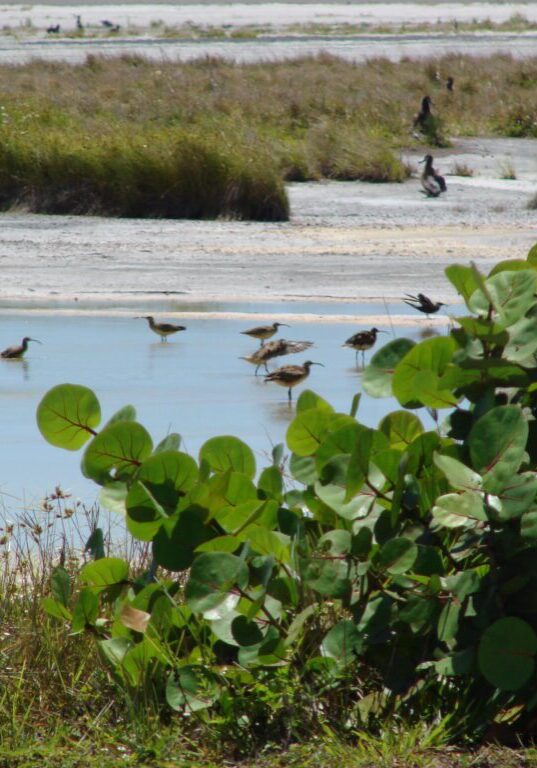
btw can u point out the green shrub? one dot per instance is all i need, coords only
(388, 569)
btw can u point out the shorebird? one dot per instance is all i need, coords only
(421, 119)
(423, 303)
(79, 24)
(433, 184)
(161, 329)
(275, 349)
(362, 341)
(17, 351)
(450, 83)
(53, 29)
(263, 332)
(289, 376)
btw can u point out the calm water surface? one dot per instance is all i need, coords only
(195, 385)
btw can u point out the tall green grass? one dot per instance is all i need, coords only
(161, 174)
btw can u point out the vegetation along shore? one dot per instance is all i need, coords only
(130, 137)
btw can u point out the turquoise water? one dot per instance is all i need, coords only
(195, 385)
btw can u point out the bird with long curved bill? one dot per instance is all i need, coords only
(423, 303)
(289, 376)
(161, 329)
(17, 351)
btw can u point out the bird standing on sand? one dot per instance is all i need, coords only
(421, 119)
(362, 341)
(263, 332)
(275, 349)
(433, 184)
(17, 351)
(450, 82)
(423, 303)
(290, 375)
(161, 329)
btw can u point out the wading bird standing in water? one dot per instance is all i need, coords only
(263, 332)
(275, 349)
(423, 303)
(362, 341)
(433, 184)
(161, 329)
(17, 351)
(290, 375)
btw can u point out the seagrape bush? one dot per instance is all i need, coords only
(366, 571)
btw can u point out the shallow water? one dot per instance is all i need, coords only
(194, 384)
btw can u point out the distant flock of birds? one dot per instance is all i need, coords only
(287, 376)
(55, 29)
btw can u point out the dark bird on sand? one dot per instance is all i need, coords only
(263, 332)
(17, 351)
(161, 329)
(433, 184)
(450, 82)
(290, 375)
(275, 349)
(423, 303)
(421, 119)
(53, 29)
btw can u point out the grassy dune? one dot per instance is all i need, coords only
(130, 137)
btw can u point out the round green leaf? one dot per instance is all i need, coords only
(459, 475)
(228, 452)
(116, 452)
(327, 577)
(307, 431)
(377, 377)
(506, 653)
(401, 428)
(497, 445)
(512, 294)
(417, 379)
(178, 537)
(456, 510)
(342, 642)
(398, 555)
(245, 632)
(104, 572)
(212, 577)
(161, 481)
(187, 690)
(67, 416)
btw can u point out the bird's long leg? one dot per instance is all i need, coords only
(289, 395)
(363, 358)
(266, 367)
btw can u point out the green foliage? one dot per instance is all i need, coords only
(400, 557)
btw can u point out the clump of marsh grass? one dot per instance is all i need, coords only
(461, 169)
(507, 170)
(159, 175)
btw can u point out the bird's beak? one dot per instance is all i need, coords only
(321, 364)
(286, 325)
(37, 340)
(420, 162)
